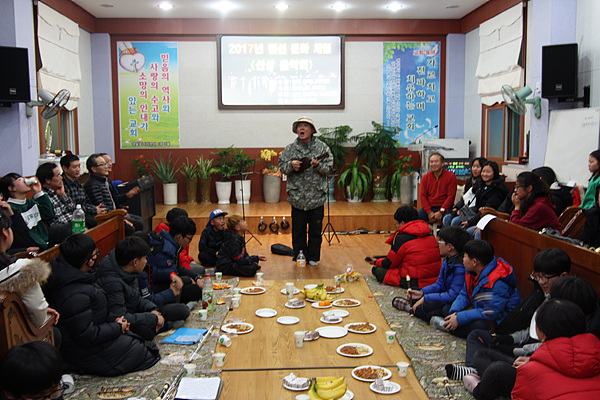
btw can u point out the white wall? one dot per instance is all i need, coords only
(588, 32)
(472, 99)
(85, 108)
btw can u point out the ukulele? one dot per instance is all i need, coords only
(306, 161)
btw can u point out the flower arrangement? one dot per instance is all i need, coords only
(141, 165)
(270, 157)
(404, 164)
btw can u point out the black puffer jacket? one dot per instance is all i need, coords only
(123, 294)
(491, 195)
(89, 342)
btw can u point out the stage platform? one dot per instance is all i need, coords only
(344, 216)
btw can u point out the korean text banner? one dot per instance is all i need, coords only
(411, 89)
(148, 94)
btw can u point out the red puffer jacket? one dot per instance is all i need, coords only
(414, 252)
(561, 369)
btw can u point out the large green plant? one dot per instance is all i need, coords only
(358, 177)
(165, 170)
(335, 138)
(242, 162)
(205, 167)
(189, 170)
(377, 148)
(224, 165)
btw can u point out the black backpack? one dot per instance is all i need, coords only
(282, 250)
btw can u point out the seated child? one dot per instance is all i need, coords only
(432, 299)
(488, 295)
(213, 236)
(185, 260)
(233, 259)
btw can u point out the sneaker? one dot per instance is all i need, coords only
(313, 263)
(471, 381)
(401, 304)
(190, 305)
(437, 323)
(458, 372)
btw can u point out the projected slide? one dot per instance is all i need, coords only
(285, 71)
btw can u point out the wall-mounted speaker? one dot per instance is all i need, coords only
(559, 71)
(14, 75)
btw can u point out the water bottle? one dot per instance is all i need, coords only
(207, 294)
(301, 263)
(78, 221)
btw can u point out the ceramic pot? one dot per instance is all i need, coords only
(191, 188)
(223, 192)
(205, 190)
(271, 188)
(170, 193)
(242, 187)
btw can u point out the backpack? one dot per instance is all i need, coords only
(282, 250)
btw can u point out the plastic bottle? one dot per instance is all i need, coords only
(301, 264)
(78, 221)
(208, 294)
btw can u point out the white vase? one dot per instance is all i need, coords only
(353, 199)
(223, 192)
(170, 193)
(271, 188)
(242, 187)
(406, 189)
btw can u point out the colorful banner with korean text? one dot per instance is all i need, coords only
(411, 89)
(148, 94)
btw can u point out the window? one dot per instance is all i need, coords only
(502, 134)
(64, 131)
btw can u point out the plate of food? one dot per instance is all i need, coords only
(221, 286)
(354, 350)
(309, 336)
(295, 303)
(295, 383)
(332, 332)
(239, 328)
(386, 387)
(288, 320)
(296, 291)
(346, 303)
(266, 313)
(322, 304)
(368, 373)
(361, 327)
(334, 290)
(253, 290)
(331, 320)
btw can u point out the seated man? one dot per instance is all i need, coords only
(489, 294)
(164, 260)
(414, 252)
(185, 260)
(91, 342)
(212, 238)
(71, 168)
(438, 189)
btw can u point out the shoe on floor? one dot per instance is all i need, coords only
(437, 323)
(471, 381)
(313, 263)
(401, 304)
(458, 372)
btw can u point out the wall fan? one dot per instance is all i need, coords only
(516, 100)
(52, 105)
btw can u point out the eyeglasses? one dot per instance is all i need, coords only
(101, 165)
(541, 278)
(441, 242)
(52, 395)
(519, 186)
(189, 238)
(95, 254)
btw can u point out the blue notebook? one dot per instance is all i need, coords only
(185, 336)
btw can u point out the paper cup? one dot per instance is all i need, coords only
(219, 359)
(237, 290)
(219, 276)
(299, 338)
(259, 276)
(224, 340)
(235, 302)
(203, 315)
(390, 336)
(289, 289)
(190, 369)
(402, 368)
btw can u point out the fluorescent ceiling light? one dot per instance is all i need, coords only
(339, 6)
(393, 7)
(224, 6)
(282, 6)
(165, 5)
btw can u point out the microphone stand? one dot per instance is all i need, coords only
(244, 208)
(331, 233)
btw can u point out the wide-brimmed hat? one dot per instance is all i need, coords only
(303, 119)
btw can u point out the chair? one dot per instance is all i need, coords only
(489, 210)
(567, 214)
(573, 227)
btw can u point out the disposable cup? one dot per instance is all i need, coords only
(390, 336)
(190, 369)
(289, 289)
(225, 340)
(237, 290)
(219, 359)
(219, 276)
(203, 315)
(299, 338)
(259, 276)
(235, 302)
(402, 368)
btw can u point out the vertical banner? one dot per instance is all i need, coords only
(411, 89)
(148, 94)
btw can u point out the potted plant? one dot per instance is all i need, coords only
(335, 138)
(378, 149)
(241, 164)
(189, 170)
(224, 166)
(401, 180)
(271, 176)
(355, 181)
(205, 170)
(141, 165)
(165, 172)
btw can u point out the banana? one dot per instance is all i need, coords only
(322, 380)
(312, 393)
(311, 293)
(323, 295)
(329, 383)
(336, 393)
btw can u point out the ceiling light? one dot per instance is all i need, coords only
(339, 6)
(282, 6)
(165, 5)
(224, 6)
(393, 7)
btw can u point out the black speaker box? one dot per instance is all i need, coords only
(559, 71)
(14, 75)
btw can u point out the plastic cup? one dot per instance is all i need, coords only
(190, 369)
(402, 368)
(299, 338)
(225, 340)
(390, 336)
(289, 289)
(235, 302)
(237, 290)
(259, 276)
(219, 276)
(203, 315)
(219, 359)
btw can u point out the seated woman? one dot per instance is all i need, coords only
(561, 195)
(233, 259)
(590, 234)
(468, 191)
(533, 204)
(90, 342)
(414, 252)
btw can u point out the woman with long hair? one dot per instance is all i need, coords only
(452, 218)
(533, 205)
(594, 167)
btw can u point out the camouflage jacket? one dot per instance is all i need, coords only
(306, 190)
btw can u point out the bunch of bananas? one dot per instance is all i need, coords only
(327, 388)
(317, 293)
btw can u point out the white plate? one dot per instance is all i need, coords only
(357, 355)
(296, 291)
(311, 286)
(266, 312)
(359, 332)
(388, 373)
(323, 320)
(337, 303)
(348, 396)
(341, 290)
(225, 328)
(395, 388)
(288, 320)
(312, 300)
(316, 305)
(262, 290)
(288, 306)
(339, 313)
(332, 332)
(294, 389)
